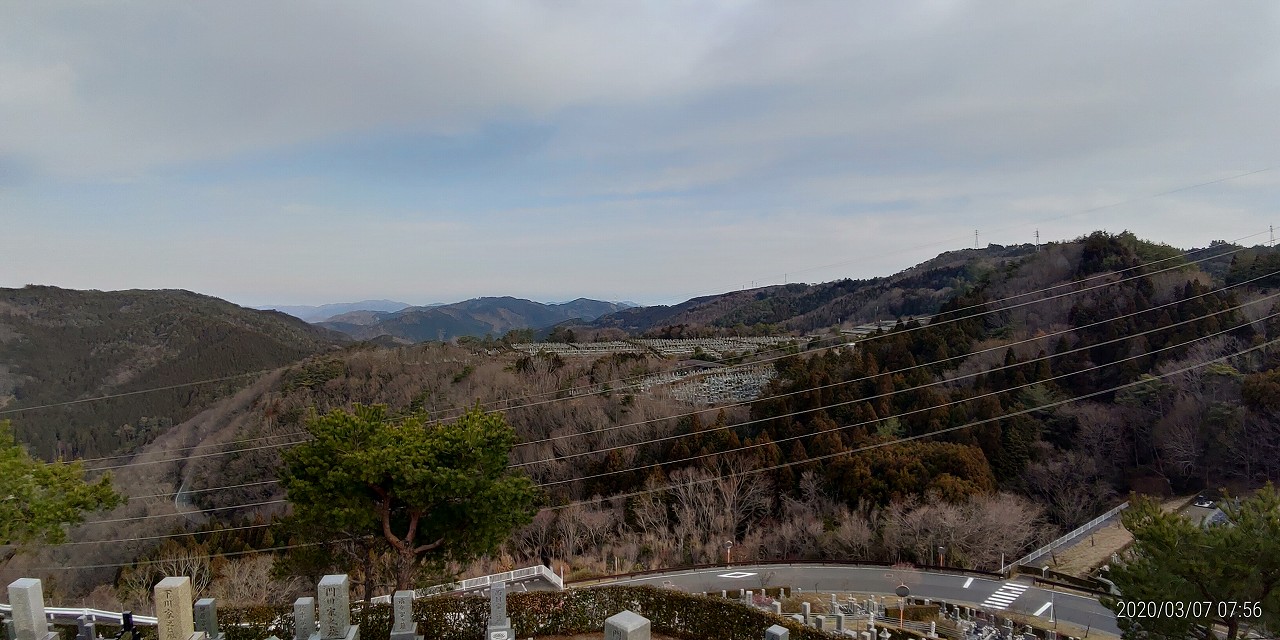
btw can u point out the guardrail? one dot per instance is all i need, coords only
(791, 563)
(55, 614)
(471, 584)
(1075, 533)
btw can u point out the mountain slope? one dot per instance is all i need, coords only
(326, 311)
(917, 291)
(475, 317)
(58, 345)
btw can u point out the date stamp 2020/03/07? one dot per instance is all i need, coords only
(1195, 609)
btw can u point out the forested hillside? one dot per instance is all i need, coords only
(917, 291)
(58, 345)
(1035, 397)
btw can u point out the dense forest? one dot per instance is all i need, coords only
(1034, 398)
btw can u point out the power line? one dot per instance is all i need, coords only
(181, 513)
(897, 371)
(1006, 346)
(860, 449)
(162, 561)
(124, 394)
(597, 432)
(922, 436)
(913, 411)
(589, 387)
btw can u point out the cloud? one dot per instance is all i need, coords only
(647, 148)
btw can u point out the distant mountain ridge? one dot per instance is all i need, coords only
(324, 312)
(799, 307)
(493, 316)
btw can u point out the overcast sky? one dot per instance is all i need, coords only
(310, 152)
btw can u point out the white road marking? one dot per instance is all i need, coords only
(968, 582)
(1004, 596)
(736, 574)
(1042, 609)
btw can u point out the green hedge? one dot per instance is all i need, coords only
(538, 613)
(916, 612)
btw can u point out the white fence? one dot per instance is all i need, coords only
(1031, 557)
(536, 572)
(94, 615)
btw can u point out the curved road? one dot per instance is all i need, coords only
(1012, 596)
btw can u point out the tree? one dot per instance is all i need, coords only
(436, 492)
(38, 499)
(1232, 568)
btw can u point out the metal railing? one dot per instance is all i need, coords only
(1075, 533)
(70, 615)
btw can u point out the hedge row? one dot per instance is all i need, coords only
(538, 613)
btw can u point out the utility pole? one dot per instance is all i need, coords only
(975, 238)
(1037, 241)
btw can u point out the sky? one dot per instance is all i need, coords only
(318, 152)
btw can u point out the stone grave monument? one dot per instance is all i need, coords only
(26, 597)
(627, 625)
(175, 619)
(86, 629)
(206, 613)
(334, 607)
(777, 632)
(304, 619)
(499, 627)
(403, 626)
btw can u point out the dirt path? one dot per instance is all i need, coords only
(1095, 549)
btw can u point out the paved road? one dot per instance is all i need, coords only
(993, 595)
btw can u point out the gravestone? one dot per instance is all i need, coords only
(798, 618)
(933, 629)
(777, 607)
(206, 613)
(334, 607)
(86, 629)
(884, 634)
(818, 621)
(835, 605)
(499, 627)
(805, 610)
(627, 625)
(304, 619)
(867, 635)
(174, 618)
(840, 622)
(777, 632)
(26, 598)
(403, 626)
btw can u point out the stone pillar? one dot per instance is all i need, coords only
(499, 627)
(26, 597)
(333, 603)
(206, 613)
(805, 610)
(777, 632)
(777, 607)
(933, 629)
(403, 626)
(304, 619)
(746, 597)
(835, 606)
(174, 617)
(86, 629)
(627, 625)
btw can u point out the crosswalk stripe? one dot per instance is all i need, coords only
(1005, 595)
